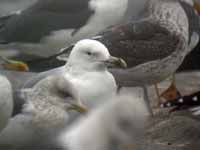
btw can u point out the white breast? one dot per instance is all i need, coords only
(94, 88)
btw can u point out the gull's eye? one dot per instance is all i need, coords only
(89, 53)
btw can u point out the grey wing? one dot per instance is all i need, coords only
(30, 83)
(7, 6)
(43, 17)
(64, 88)
(140, 42)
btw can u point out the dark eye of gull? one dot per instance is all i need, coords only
(89, 53)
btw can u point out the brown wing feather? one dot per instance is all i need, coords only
(140, 42)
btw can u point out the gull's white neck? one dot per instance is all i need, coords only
(75, 68)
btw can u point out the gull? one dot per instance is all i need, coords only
(45, 26)
(6, 102)
(119, 124)
(84, 84)
(42, 29)
(90, 72)
(43, 114)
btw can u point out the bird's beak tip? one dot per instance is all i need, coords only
(123, 63)
(117, 62)
(78, 108)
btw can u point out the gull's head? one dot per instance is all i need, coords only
(92, 54)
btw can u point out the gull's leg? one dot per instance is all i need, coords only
(157, 93)
(9, 64)
(146, 99)
(119, 88)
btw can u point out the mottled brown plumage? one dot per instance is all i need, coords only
(154, 46)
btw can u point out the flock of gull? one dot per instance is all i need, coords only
(87, 53)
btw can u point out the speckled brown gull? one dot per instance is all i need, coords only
(155, 46)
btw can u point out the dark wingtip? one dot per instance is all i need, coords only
(18, 103)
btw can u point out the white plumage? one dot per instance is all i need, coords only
(45, 113)
(6, 101)
(93, 81)
(117, 124)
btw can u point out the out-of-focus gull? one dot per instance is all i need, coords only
(48, 25)
(119, 124)
(6, 101)
(17, 80)
(155, 46)
(32, 34)
(45, 111)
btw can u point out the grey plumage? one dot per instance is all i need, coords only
(47, 103)
(40, 19)
(155, 46)
(8, 6)
(17, 80)
(44, 114)
(48, 25)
